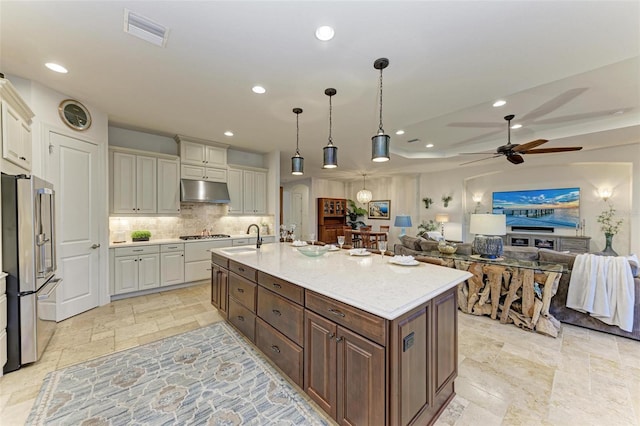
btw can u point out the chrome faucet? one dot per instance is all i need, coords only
(258, 240)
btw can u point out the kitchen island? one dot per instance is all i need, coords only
(372, 343)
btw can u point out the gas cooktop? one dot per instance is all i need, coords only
(204, 237)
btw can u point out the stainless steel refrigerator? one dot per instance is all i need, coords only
(29, 259)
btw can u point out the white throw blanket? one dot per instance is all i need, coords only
(603, 287)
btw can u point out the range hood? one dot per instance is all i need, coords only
(202, 191)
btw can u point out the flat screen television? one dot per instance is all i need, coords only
(550, 208)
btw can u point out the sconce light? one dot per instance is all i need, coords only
(604, 193)
(477, 198)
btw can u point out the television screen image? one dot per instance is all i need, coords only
(539, 207)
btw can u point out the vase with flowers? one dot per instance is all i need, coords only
(610, 226)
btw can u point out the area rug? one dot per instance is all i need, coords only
(209, 376)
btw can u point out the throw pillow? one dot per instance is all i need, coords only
(428, 245)
(411, 242)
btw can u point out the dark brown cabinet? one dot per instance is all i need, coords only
(219, 285)
(332, 216)
(345, 373)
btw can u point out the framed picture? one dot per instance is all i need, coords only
(380, 209)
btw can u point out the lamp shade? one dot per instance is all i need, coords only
(442, 218)
(488, 224)
(364, 196)
(402, 221)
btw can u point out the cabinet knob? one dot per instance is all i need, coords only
(276, 312)
(275, 348)
(339, 339)
(276, 285)
(240, 290)
(23, 158)
(240, 318)
(332, 335)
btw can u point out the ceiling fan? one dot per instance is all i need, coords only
(514, 152)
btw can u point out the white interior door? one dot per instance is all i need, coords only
(74, 172)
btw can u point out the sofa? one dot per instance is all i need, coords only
(423, 248)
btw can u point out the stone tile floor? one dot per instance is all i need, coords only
(506, 376)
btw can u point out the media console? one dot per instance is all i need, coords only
(545, 240)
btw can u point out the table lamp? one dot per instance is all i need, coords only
(402, 221)
(488, 228)
(442, 218)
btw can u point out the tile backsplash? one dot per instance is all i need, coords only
(193, 219)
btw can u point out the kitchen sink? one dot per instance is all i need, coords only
(239, 250)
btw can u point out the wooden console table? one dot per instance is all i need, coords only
(549, 241)
(511, 290)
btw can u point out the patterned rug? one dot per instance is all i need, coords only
(207, 376)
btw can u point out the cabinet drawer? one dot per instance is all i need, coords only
(165, 248)
(134, 251)
(243, 291)
(241, 241)
(240, 269)
(282, 287)
(197, 271)
(284, 315)
(243, 319)
(220, 260)
(355, 319)
(284, 353)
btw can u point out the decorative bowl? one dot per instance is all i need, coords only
(313, 251)
(447, 248)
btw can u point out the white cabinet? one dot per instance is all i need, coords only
(248, 191)
(199, 154)
(15, 117)
(136, 268)
(134, 188)
(234, 183)
(197, 259)
(203, 173)
(171, 264)
(168, 186)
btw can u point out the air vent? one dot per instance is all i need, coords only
(413, 140)
(145, 28)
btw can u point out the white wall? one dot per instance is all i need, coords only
(126, 138)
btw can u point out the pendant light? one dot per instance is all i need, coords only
(297, 161)
(330, 151)
(364, 195)
(380, 142)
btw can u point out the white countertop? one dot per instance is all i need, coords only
(366, 282)
(178, 240)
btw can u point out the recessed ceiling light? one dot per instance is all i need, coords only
(258, 89)
(325, 33)
(55, 67)
(228, 133)
(399, 132)
(516, 126)
(429, 145)
(499, 103)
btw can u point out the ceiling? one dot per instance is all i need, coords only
(569, 71)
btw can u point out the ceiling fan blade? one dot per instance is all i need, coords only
(474, 153)
(481, 159)
(476, 125)
(475, 138)
(549, 150)
(583, 116)
(554, 103)
(515, 159)
(529, 145)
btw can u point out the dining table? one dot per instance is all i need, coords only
(374, 237)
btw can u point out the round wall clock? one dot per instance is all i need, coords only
(74, 114)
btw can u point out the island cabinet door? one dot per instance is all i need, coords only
(361, 380)
(223, 291)
(215, 285)
(320, 361)
(445, 326)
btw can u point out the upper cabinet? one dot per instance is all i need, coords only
(247, 190)
(202, 160)
(144, 183)
(16, 130)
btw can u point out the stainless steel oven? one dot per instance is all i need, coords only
(29, 259)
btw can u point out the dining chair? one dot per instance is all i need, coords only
(368, 241)
(384, 229)
(348, 237)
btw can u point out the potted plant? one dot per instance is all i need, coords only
(425, 227)
(354, 212)
(140, 235)
(610, 226)
(427, 202)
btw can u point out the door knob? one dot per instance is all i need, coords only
(95, 246)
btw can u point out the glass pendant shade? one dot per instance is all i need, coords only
(364, 196)
(380, 148)
(297, 161)
(330, 152)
